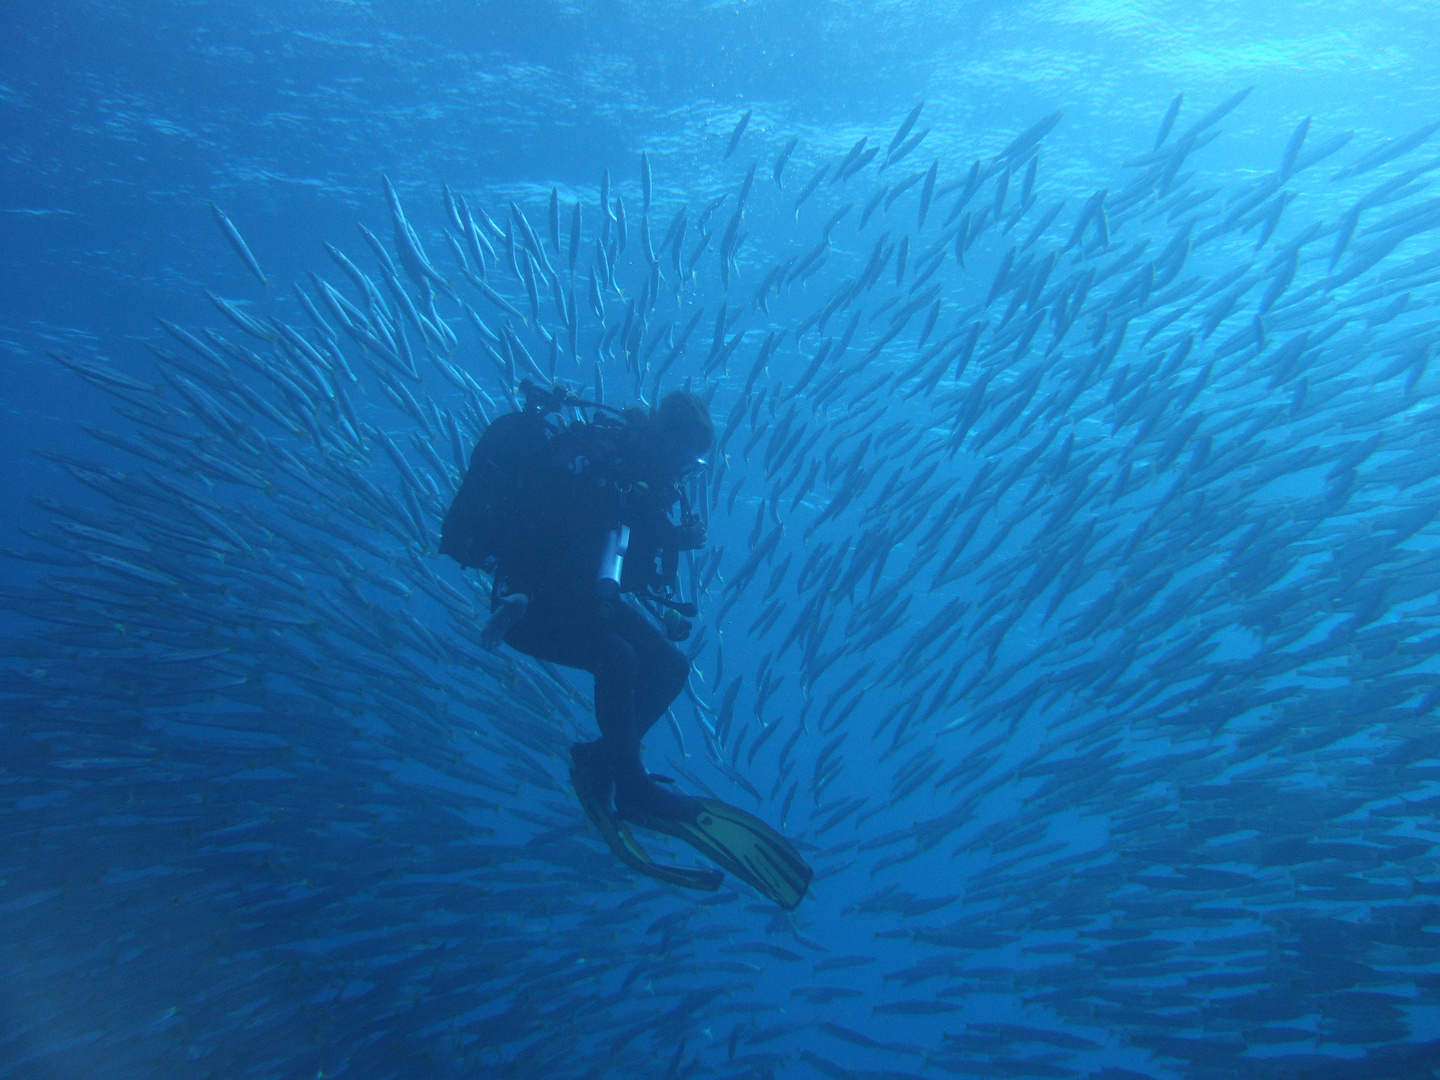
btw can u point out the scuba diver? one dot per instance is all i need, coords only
(572, 520)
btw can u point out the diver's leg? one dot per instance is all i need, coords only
(660, 670)
(619, 676)
(554, 633)
(657, 673)
(601, 642)
(637, 675)
(574, 636)
(615, 673)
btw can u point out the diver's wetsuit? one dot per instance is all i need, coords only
(546, 510)
(592, 483)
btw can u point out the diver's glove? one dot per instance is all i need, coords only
(505, 612)
(690, 533)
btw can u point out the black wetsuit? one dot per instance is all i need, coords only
(593, 482)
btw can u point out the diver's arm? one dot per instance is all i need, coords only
(687, 535)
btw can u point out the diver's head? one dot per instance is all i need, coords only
(682, 434)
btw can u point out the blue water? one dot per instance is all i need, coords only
(1138, 780)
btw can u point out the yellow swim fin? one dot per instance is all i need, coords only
(738, 842)
(618, 838)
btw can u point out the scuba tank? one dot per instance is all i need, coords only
(612, 561)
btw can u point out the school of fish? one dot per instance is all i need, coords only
(1072, 601)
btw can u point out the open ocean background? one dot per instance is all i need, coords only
(1075, 608)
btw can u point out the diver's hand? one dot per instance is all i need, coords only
(690, 534)
(504, 615)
